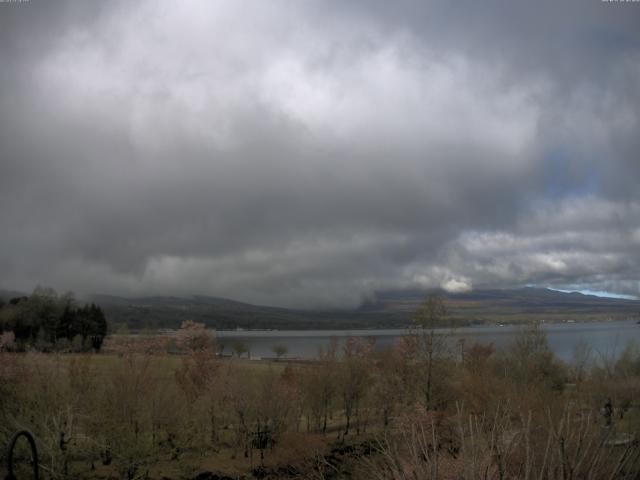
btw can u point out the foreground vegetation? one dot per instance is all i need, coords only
(423, 409)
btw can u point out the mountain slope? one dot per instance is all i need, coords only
(515, 305)
(388, 309)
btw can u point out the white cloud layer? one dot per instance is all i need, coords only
(311, 153)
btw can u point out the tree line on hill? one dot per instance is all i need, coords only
(46, 321)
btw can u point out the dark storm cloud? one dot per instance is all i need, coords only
(310, 153)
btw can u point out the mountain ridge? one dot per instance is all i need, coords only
(387, 309)
(391, 308)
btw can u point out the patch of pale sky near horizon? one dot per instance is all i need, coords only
(597, 293)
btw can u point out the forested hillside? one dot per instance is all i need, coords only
(387, 310)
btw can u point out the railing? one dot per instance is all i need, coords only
(34, 454)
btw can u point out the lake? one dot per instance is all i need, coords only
(606, 339)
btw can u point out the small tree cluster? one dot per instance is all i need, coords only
(47, 321)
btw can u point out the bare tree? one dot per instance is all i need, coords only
(240, 348)
(428, 345)
(354, 378)
(280, 350)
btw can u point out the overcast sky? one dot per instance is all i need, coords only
(305, 153)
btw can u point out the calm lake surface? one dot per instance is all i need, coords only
(606, 339)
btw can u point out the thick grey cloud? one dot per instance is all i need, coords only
(309, 153)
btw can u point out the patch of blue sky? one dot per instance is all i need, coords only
(596, 293)
(565, 179)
